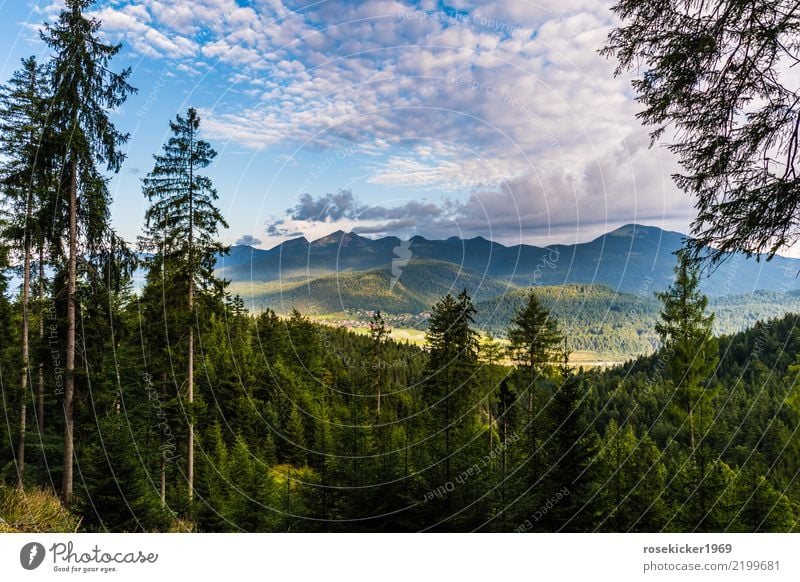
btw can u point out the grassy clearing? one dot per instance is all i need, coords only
(34, 510)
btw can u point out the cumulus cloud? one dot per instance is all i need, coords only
(132, 23)
(342, 208)
(330, 207)
(627, 184)
(505, 106)
(410, 210)
(249, 240)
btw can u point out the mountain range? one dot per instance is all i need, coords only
(345, 271)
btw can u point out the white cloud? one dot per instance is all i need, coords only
(509, 92)
(131, 23)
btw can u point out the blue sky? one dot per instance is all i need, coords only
(467, 118)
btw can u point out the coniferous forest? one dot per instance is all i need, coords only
(171, 407)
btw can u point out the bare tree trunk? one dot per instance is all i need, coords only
(489, 400)
(69, 391)
(163, 478)
(503, 464)
(40, 388)
(405, 450)
(190, 452)
(23, 384)
(531, 425)
(380, 376)
(163, 468)
(489, 408)
(378, 410)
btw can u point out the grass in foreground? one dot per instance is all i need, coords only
(34, 510)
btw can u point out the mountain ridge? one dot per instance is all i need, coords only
(630, 259)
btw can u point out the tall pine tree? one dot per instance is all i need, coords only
(688, 346)
(379, 332)
(691, 353)
(25, 179)
(84, 90)
(451, 399)
(182, 226)
(534, 342)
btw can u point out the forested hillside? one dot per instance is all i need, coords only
(601, 322)
(621, 325)
(290, 436)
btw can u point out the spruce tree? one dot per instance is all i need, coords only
(688, 346)
(182, 226)
(634, 482)
(84, 89)
(213, 481)
(508, 423)
(717, 75)
(25, 178)
(450, 396)
(451, 368)
(572, 447)
(379, 332)
(534, 342)
(160, 325)
(295, 435)
(251, 491)
(760, 507)
(491, 353)
(118, 494)
(691, 353)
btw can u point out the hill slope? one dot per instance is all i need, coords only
(601, 290)
(631, 259)
(422, 283)
(616, 325)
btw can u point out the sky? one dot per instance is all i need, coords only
(488, 118)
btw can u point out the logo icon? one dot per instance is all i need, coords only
(31, 555)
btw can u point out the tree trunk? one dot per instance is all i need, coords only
(531, 424)
(489, 401)
(503, 466)
(163, 478)
(40, 387)
(163, 467)
(380, 376)
(190, 451)
(405, 449)
(448, 427)
(69, 391)
(378, 410)
(617, 482)
(190, 380)
(489, 407)
(23, 385)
